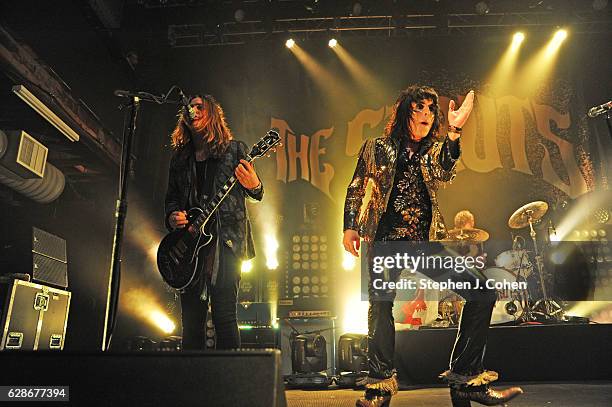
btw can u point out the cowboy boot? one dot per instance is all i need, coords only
(374, 398)
(378, 392)
(462, 395)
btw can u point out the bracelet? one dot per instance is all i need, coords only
(454, 129)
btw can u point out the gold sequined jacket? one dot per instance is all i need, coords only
(376, 163)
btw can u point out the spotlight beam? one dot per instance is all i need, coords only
(501, 76)
(360, 74)
(327, 82)
(539, 67)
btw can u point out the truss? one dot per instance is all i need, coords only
(227, 33)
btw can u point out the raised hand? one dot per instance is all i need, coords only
(459, 117)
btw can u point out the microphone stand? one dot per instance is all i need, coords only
(114, 277)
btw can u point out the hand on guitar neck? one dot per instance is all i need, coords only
(245, 172)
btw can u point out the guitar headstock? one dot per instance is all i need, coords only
(268, 142)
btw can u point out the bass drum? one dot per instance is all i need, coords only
(510, 303)
(515, 261)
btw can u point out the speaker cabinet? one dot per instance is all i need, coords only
(215, 378)
(40, 254)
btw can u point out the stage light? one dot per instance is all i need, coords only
(482, 8)
(352, 352)
(239, 15)
(247, 266)
(582, 213)
(601, 215)
(308, 353)
(45, 112)
(332, 43)
(560, 35)
(352, 359)
(270, 251)
(170, 344)
(348, 263)
(556, 42)
(290, 43)
(517, 40)
(162, 321)
(144, 304)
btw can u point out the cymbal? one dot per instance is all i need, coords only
(520, 217)
(472, 235)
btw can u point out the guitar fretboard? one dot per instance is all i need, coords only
(211, 207)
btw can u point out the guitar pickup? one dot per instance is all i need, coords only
(173, 257)
(180, 245)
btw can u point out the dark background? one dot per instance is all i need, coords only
(255, 82)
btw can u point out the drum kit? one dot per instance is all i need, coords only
(515, 265)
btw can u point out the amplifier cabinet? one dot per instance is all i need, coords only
(34, 316)
(35, 252)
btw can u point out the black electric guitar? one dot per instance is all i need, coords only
(178, 252)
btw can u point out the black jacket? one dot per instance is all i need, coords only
(233, 225)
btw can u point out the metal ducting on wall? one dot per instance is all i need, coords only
(42, 190)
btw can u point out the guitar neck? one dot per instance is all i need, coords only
(212, 206)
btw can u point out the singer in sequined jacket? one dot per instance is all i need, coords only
(376, 163)
(406, 168)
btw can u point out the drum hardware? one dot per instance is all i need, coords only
(511, 308)
(449, 310)
(528, 215)
(451, 305)
(468, 234)
(511, 303)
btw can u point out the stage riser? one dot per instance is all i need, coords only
(179, 379)
(526, 353)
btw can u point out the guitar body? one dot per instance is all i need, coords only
(178, 252)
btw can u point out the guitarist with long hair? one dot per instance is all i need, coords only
(205, 156)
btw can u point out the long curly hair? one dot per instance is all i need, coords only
(402, 111)
(212, 127)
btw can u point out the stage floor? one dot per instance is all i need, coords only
(592, 394)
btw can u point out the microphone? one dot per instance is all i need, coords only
(597, 110)
(191, 112)
(122, 93)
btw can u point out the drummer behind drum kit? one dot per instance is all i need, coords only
(515, 265)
